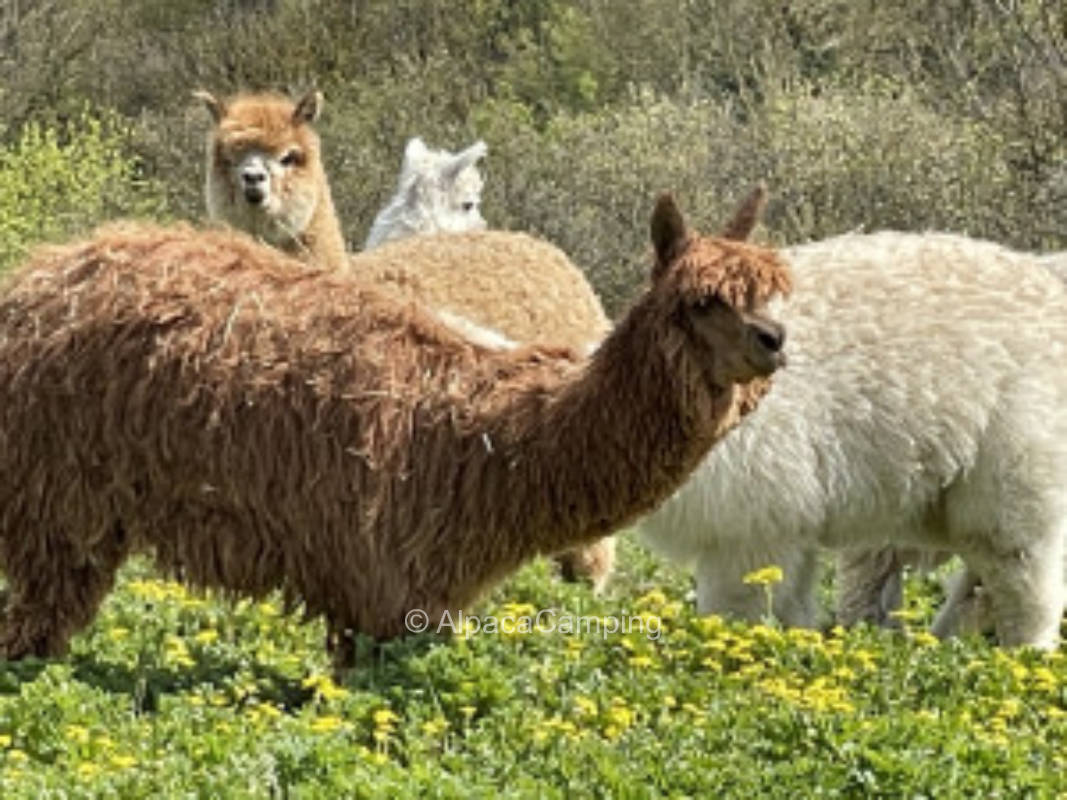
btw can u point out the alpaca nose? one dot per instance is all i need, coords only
(254, 181)
(770, 334)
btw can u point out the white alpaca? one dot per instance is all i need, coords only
(924, 406)
(870, 583)
(437, 191)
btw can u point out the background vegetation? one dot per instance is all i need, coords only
(859, 114)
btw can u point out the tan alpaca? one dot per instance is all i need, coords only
(520, 288)
(260, 426)
(265, 174)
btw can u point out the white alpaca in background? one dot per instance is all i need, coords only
(437, 191)
(924, 407)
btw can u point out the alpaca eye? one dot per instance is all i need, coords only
(706, 303)
(291, 158)
(468, 206)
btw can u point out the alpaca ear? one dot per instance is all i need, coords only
(748, 214)
(668, 229)
(215, 107)
(466, 158)
(415, 152)
(308, 107)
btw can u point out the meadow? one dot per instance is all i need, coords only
(865, 115)
(178, 694)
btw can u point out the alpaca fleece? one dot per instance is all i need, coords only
(512, 283)
(260, 425)
(925, 407)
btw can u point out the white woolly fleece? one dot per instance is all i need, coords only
(925, 404)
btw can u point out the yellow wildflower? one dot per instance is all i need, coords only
(766, 576)
(326, 724)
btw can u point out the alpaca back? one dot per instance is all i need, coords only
(522, 287)
(920, 366)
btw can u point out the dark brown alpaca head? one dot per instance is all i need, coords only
(716, 288)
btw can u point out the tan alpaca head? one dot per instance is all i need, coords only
(265, 173)
(719, 288)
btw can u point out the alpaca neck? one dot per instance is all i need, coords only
(322, 241)
(617, 439)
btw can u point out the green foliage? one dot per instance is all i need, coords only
(58, 181)
(174, 694)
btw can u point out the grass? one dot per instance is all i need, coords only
(172, 694)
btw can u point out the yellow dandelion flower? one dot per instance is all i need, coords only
(620, 716)
(612, 732)
(641, 662)
(118, 633)
(767, 576)
(435, 726)
(16, 755)
(326, 724)
(655, 597)
(669, 701)
(122, 762)
(78, 734)
(207, 636)
(584, 706)
(468, 711)
(384, 717)
(87, 769)
(5, 740)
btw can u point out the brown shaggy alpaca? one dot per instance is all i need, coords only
(258, 425)
(265, 174)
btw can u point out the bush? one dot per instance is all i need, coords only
(59, 181)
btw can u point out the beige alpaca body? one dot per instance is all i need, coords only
(259, 426)
(513, 283)
(265, 175)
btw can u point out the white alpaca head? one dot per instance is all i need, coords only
(438, 191)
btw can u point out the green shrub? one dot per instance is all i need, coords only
(59, 181)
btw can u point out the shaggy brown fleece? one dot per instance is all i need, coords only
(259, 425)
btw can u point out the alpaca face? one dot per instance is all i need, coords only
(264, 174)
(740, 343)
(438, 191)
(721, 288)
(444, 188)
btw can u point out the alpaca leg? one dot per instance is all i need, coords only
(960, 611)
(869, 586)
(722, 590)
(55, 595)
(1025, 591)
(593, 562)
